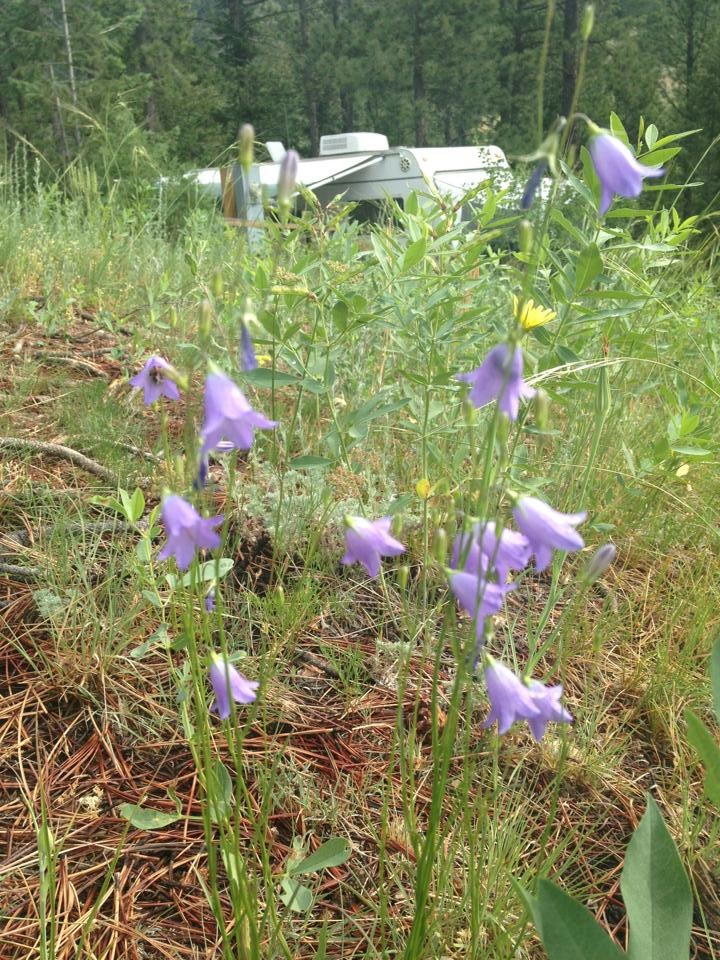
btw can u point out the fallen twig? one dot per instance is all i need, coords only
(27, 538)
(20, 445)
(26, 574)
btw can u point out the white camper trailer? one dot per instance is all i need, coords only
(364, 169)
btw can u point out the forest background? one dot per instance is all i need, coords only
(143, 87)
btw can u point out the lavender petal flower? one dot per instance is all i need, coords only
(510, 551)
(229, 416)
(547, 529)
(366, 541)
(617, 169)
(499, 377)
(510, 698)
(547, 700)
(186, 531)
(229, 684)
(153, 382)
(287, 177)
(478, 597)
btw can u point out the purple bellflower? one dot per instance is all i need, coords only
(479, 598)
(153, 381)
(228, 415)
(547, 529)
(186, 531)
(482, 548)
(229, 684)
(499, 377)
(617, 169)
(368, 540)
(287, 177)
(512, 699)
(532, 184)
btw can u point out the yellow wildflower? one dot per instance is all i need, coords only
(531, 315)
(423, 488)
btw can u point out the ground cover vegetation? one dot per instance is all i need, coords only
(359, 590)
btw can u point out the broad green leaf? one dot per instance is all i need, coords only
(656, 892)
(145, 818)
(715, 676)
(414, 253)
(651, 135)
(589, 265)
(329, 854)
(687, 451)
(708, 749)
(617, 129)
(137, 505)
(657, 157)
(295, 895)
(567, 929)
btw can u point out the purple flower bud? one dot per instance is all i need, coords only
(366, 541)
(186, 531)
(229, 416)
(547, 529)
(599, 563)
(287, 177)
(533, 183)
(499, 377)
(210, 601)
(202, 474)
(229, 684)
(153, 382)
(617, 169)
(512, 699)
(247, 351)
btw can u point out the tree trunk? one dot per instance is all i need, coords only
(308, 82)
(418, 78)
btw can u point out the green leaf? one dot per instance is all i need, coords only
(651, 135)
(617, 129)
(137, 505)
(657, 157)
(708, 750)
(715, 676)
(567, 929)
(145, 818)
(220, 790)
(656, 892)
(206, 572)
(589, 265)
(295, 895)
(329, 854)
(687, 451)
(414, 254)
(310, 462)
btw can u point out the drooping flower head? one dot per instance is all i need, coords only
(617, 169)
(499, 377)
(210, 601)
(533, 182)
(531, 314)
(547, 529)
(512, 699)
(366, 541)
(482, 549)
(599, 563)
(229, 416)
(229, 684)
(153, 381)
(479, 597)
(186, 531)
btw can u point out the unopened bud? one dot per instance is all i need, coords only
(206, 319)
(287, 177)
(246, 143)
(279, 595)
(440, 545)
(402, 576)
(599, 563)
(525, 231)
(541, 406)
(603, 399)
(588, 21)
(217, 285)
